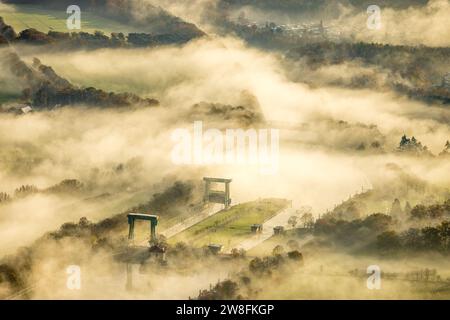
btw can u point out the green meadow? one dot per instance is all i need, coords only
(31, 16)
(230, 227)
(8, 97)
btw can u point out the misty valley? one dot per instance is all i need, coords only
(224, 150)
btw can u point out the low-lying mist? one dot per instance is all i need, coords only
(90, 145)
(123, 156)
(219, 70)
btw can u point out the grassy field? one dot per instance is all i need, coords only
(31, 16)
(8, 97)
(229, 227)
(9, 91)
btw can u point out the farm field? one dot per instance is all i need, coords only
(6, 97)
(229, 227)
(8, 93)
(22, 17)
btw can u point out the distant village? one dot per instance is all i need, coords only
(305, 30)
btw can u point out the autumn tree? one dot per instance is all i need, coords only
(307, 219)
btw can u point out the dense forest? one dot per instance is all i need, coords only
(422, 67)
(384, 234)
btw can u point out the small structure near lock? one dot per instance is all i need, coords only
(256, 228)
(217, 196)
(214, 248)
(158, 253)
(20, 109)
(26, 109)
(446, 81)
(278, 230)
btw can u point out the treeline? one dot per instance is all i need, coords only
(67, 186)
(96, 40)
(435, 211)
(244, 285)
(377, 232)
(414, 147)
(45, 89)
(139, 13)
(425, 239)
(420, 69)
(386, 55)
(424, 67)
(83, 40)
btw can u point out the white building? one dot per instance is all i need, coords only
(26, 109)
(446, 80)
